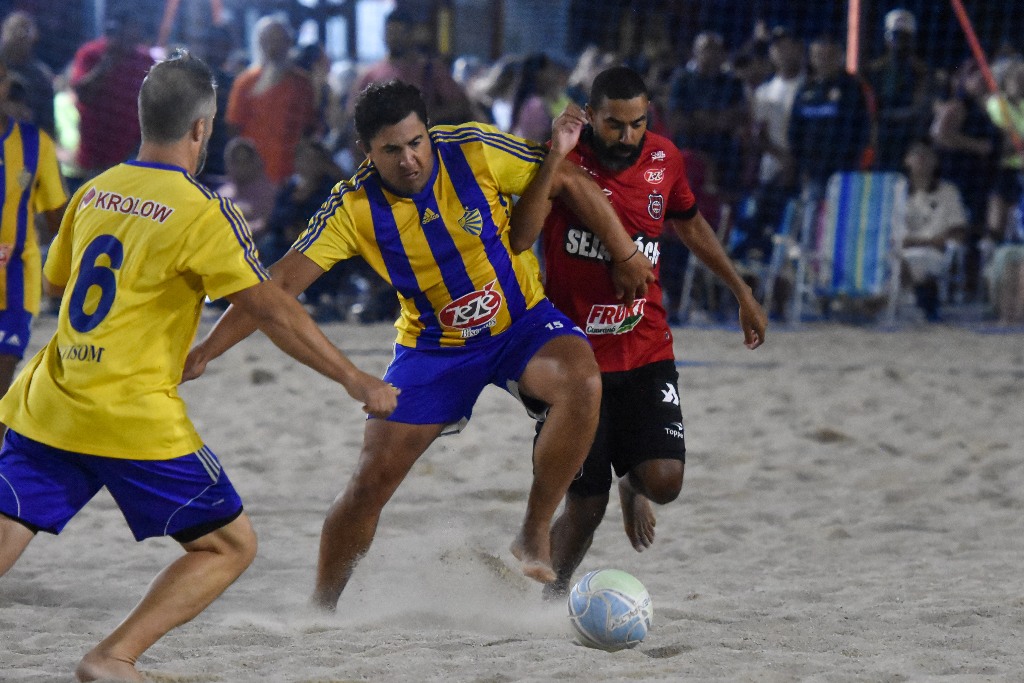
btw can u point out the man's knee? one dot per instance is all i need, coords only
(564, 372)
(659, 480)
(586, 510)
(581, 381)
(235, 541)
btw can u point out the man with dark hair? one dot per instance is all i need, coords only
(640, 433)
(19, 35)
(429, 211)
(830, 124)
(140, 248)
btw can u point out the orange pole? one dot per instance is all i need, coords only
(852, 35)
(170, 11)
(986, 71)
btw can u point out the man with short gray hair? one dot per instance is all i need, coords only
(141, 246)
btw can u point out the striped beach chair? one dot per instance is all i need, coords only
(854, 249)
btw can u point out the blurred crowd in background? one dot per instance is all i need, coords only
(764, 116)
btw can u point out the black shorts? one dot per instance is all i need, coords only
(640, 420)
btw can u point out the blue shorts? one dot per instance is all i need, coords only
(15, 327)
(441, 386)
(185, 498)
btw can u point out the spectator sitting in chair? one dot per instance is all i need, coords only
(935, 217)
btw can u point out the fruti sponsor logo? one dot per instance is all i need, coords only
(614, 318)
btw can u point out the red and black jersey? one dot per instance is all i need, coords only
(577, 271)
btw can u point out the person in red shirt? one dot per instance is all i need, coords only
(272, 103)
(640, 434)
(106, 75)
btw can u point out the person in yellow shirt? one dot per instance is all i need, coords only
(140, 248)
(31, 184)
(430, 211)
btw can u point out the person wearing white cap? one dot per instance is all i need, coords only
(899, 21)
(901, 82)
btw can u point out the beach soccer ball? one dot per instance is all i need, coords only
(610, 609)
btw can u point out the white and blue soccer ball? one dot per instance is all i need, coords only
(610, 609)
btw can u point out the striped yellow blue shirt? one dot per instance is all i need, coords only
(139, 249)
(32, 184)
(445, 249)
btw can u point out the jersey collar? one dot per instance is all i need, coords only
(153, 164)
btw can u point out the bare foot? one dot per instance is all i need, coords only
(534, 562)
(322, 604)
(637, 516)
(96, 666)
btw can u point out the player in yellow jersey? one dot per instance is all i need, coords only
(31, 184)
(139, 249)
(429, 211)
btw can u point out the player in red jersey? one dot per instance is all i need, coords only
(640, 433)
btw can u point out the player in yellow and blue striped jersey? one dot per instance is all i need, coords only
(31, 185)
(429, 210)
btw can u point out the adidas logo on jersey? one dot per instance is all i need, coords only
(428, 216)
(13, 340)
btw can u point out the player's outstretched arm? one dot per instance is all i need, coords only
(282, 318)
(700, 239)
(293, 274)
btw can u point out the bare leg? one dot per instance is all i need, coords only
(14, 538)
(658, 480)
(571, 536)
(564, 375)
(178, 593)
(389, 451)
(8, 363)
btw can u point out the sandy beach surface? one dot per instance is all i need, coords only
(853, 511)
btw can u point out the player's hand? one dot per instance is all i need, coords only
(566, 129)
(631, 277)
(379, 398)
(753, 322)
(195, 365)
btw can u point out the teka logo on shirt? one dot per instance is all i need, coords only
(654, 175)
(127, 205)
(473, 312)
(658, 155)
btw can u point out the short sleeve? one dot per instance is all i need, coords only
(512, 161)
(57, 268)
(681, 201)
(221, 252)
(331, 234)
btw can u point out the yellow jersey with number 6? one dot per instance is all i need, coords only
(139, 249)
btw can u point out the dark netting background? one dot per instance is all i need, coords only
(716, 121)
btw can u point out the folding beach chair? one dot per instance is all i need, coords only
(785, 251)
(695, 267)
(851, 249)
